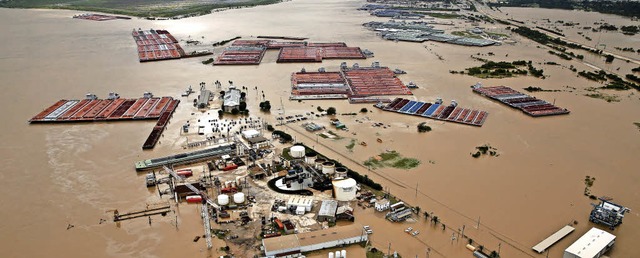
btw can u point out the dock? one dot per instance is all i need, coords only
(515, 99)
(555, 237)
(115, 108)
(156, 45)
(437, 111)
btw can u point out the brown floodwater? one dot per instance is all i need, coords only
(76, 174)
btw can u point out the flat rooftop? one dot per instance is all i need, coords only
(591, 243)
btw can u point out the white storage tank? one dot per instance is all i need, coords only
(345, 189)
(297, 151)
(337, 254)
(310, 159)
(330, 254)
(238, 198)
(223, 199)
(319, 163)
(344, 253)
(341, 172)
(328, 168)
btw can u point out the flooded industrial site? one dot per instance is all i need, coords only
(63, 182)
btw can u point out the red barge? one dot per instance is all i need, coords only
(113, 108)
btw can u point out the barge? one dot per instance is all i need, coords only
(515, 99)
(187, 157)
(155, 45)
(437, 111)
(92, 109)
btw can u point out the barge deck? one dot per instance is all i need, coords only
(437, 111)
(529, 105)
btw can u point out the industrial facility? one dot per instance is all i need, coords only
(607, 213)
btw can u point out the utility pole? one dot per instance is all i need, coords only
(499, 244)
(389, 249)
(478, 227)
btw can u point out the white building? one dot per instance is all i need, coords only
(293, 245)
(297, 202)
(231, 100)
(382, 205)
(593, 244)
(251, 133)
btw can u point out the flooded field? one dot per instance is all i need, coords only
(61, 181)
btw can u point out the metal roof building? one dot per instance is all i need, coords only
(315, 240)
(593, 244)
(231, 99)
(328, 210)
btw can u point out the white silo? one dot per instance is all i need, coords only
(344, 253)
(238, 198)
(310, 159)
(319, 163)
(223, 199)
(330, 254)
(297, 151)
(345, 189)
(328, 168)
(337, 254)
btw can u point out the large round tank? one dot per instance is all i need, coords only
(328, 168)
(297, 151)
(310, 158)
(337, 254)
(238, 198)
(344, 253)
(330, 254)
(319, 163)
(223, 199)
(345, 189)
(341, 172)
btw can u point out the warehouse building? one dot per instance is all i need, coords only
(593, 244)
(294, 245)
(327, 211)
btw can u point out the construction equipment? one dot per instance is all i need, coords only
(205, 206)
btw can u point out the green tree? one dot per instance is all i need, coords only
(220, 113)
(423, 127)
(331, 111)
(235, 111)
(320, 109)
(243, 106)
(364, 110)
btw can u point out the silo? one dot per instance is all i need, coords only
(330, 254)
(328, 168)
(223, 199)
(341, 172)
(337, 254)
(345, 189)
(238, 198)
(319, 163)
(344, 253)
(297, 151)
(310, 158)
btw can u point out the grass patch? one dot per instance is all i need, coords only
(140, 8)
(608, 98)
(351, 145)
(485, 150)
(391, 159)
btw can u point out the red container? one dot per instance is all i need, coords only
(194, 199)
(185, 172)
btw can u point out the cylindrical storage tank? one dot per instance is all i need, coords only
(344, 253)
(238, 198)
(194, 199)
(297, 151)
(337, 254)
(330, 254)
(223, 199)
(310, 158)
(471, 248)
(319, 163)
(345, 189)
(328, 168)
(341, 172)
(185, 172)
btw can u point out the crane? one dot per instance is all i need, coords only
(205, 206)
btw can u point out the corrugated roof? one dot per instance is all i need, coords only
(330, 234)
(590, 243)
(328, 208)
(280, 243)
(549, 241)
